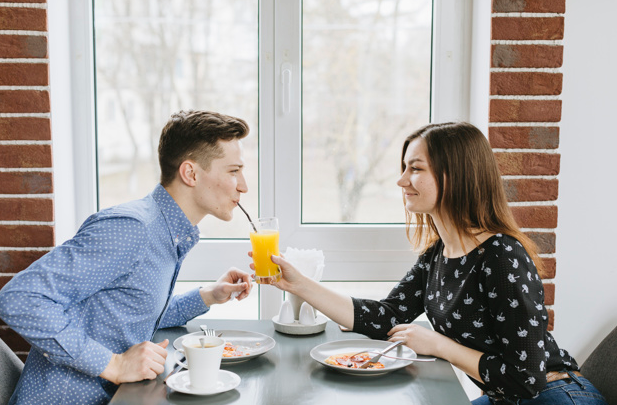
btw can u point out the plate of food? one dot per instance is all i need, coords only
(337, 355)
(240, 345)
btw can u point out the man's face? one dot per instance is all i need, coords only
(217, 191)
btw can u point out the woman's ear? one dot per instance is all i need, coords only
(188, 172)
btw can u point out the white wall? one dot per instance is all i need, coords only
(586, 295)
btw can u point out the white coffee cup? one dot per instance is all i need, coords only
(203, 362)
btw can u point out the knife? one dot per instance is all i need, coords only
(175, 370)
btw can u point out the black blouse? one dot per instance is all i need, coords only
(490, 300)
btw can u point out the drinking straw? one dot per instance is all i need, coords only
(249, 217)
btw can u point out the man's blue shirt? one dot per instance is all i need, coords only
(105, 290)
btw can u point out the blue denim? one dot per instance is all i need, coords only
(574, 391)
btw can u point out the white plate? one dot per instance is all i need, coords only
(323, 351)
(297, 328)
(254, 343)
(180, 382)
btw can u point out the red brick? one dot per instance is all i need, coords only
(14, 340)
(549, 294)
(26, 235)
(531, 189)
(501, 110)
(23, 46)
(532, 56)
(528, 164)
(24, 101)
(535, 216)
(527, 28)
(4, 280)
(526, 83)
(551, 319)
(26, 209)
(14, 261)
(26, 183)
(549, 268)
(535, 6)
(22, 18)
(25, 156)
(24, 74)
(524, 137)
(545, 241)
(25, 129)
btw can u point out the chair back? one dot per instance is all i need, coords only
(601, 365)
(10, 370)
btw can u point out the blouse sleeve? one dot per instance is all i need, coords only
(404, 303)
(516, 303)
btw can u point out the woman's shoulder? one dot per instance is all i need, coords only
(502, 250)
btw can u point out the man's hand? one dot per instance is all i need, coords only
(143, 361)
(234, 283)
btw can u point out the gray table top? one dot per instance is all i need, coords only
(288, 375)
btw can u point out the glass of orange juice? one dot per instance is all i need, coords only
(265, 243)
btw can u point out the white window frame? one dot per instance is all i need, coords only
(353, 252)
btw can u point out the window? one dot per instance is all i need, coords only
(329, 99)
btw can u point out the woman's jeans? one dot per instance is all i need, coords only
(576, 390)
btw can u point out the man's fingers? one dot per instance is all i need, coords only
(156, 367)
(163, 344)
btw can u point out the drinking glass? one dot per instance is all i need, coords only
(265, 242)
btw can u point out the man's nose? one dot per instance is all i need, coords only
(242, 186)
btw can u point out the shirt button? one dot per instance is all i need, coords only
(45, 354)
(188, 239)
(176, 240)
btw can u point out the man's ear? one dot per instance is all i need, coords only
(188, 172)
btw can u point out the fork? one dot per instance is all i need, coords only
(207, 332)
(376, 358)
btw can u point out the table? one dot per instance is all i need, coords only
(288, 375)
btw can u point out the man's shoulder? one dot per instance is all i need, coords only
(136, 213)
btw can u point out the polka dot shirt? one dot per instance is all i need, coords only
(105, 290)
(491, 300)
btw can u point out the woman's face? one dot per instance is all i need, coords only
(417, 181)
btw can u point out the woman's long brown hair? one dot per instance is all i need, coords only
(470, 188)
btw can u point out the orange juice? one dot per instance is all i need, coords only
(265, 244)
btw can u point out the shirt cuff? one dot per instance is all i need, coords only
(94, 359)
(191, 305)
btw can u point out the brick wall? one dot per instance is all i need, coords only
(524, 115)
(26, 200)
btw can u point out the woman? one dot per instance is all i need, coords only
(476, 278)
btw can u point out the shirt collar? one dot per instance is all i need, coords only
(181, 230)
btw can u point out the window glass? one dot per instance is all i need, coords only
(365, 86)
(155, 57)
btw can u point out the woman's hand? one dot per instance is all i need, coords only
(430, 343)
(418, 338)
(291, 278)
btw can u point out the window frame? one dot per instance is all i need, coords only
(353, 252)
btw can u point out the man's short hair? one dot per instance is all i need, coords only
(194, 135)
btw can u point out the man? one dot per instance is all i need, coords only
(90, 307)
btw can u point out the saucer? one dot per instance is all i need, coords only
(226, 381)
(296, 328)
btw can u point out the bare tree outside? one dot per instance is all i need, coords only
(366, 85)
